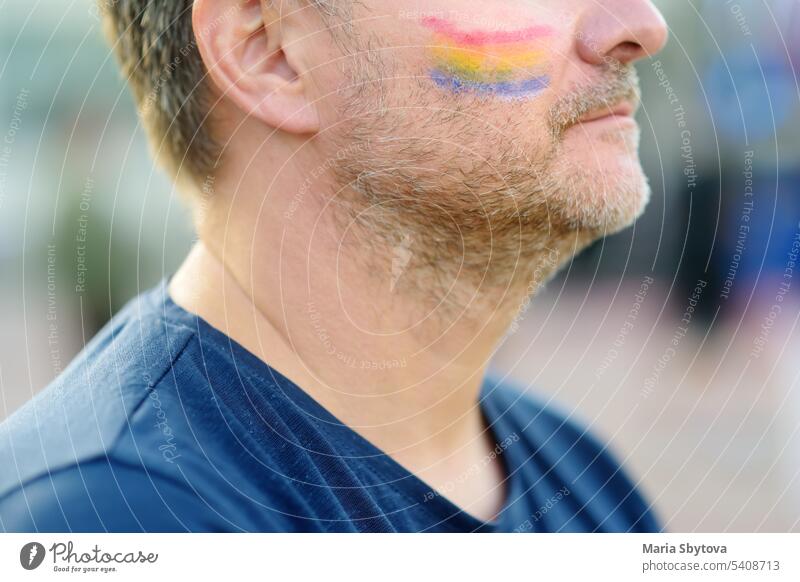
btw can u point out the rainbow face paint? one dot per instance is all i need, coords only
(510, 64)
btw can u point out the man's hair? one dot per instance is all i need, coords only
(156, 48)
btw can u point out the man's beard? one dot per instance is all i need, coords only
(410, 186)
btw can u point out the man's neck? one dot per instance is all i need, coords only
(379, 352)
(393, 371)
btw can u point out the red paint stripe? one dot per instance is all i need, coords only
(480, 38)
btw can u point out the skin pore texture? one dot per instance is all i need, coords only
(397, 178)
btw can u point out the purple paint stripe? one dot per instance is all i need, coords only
(523, 88)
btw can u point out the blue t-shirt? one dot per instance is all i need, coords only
(164, 423)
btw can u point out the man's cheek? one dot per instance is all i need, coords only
(508, 64)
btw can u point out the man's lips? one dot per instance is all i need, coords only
(624, 109)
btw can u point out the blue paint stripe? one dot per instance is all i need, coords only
(523, 88)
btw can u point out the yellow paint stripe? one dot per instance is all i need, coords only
(477, 64)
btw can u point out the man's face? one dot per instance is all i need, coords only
(475, 123)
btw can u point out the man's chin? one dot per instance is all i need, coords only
(601, 188)
(631, 205)
(602, 204)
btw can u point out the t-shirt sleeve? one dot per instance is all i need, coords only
(104, 496)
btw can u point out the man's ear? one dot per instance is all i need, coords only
(242, 45)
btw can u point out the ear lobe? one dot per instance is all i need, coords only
(241, 44)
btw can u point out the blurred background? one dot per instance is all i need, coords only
(677, 340)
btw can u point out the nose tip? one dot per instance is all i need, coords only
(623, 30)
(653, 36)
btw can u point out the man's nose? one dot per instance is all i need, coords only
(622, 30)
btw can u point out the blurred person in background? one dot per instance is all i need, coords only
(377, 189)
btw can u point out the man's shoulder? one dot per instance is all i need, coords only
(104, 494)
(84, 412)
(130, 438)
(569, 454)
